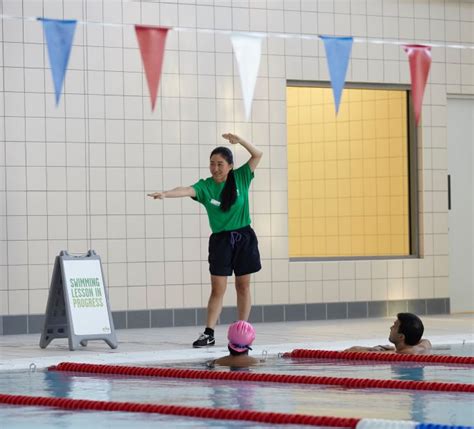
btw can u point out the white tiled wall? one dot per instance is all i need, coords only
(75, 176)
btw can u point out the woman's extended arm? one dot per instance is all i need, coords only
(180, 191)
(256, 154)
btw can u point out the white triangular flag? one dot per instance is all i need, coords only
(247, 51)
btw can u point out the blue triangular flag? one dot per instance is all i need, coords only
(59, 35)
(338, 50)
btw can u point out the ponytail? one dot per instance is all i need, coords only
(229, 193)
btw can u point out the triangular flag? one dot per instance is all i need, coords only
(338, 51)
(59, 35)
(419, 57)
(247, 51)
(152, 47)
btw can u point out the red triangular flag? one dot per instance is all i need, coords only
(152, 47)
(419, 57)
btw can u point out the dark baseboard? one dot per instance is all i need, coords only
(33, 324)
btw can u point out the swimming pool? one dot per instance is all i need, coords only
(437, 407)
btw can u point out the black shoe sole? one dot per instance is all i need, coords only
(206, 345)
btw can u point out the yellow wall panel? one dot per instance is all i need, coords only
(319, 189)
(355, 129)
(344, 206)
(357, 168)
(347, 174)
(357, 244)
(319, 226)
(370, 206)
(331, 188)
(306, 208)
(343, 169)
(306, 170)
(330, 151)
(319, 207)
(332, 207)
(343, 148)
(307, 247)
(345, 245)
(330, 170)
(382, 148)
(307, 226)
(332, 226)
(332, 246)
(345, 226)
(344, 188)
(319, 245)
(370, 226)
(371, 245)
(357, 206)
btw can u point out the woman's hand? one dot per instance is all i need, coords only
(233, 138)
(158, 195)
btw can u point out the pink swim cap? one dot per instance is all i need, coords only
(240, 335)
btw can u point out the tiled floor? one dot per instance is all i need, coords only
(173, 344)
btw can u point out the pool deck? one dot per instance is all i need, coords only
(165, 345)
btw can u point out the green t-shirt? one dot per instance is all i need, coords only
(208, 194)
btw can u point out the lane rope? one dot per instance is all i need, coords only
(357, 383)
(218, 413)
(385, 357)
(178, 410)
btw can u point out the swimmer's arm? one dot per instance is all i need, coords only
(211, 363)
(379, 348)
(426, 345)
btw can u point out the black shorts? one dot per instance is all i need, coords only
(235, 251)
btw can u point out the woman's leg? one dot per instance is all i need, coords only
(244, 302)
(214, 306)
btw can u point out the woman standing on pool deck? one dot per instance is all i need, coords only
(233, 245)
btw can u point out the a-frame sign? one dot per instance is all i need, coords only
(78, 305)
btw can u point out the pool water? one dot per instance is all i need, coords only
(435, 407)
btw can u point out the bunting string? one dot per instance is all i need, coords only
(268, 34)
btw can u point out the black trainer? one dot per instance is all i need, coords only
(204, 340)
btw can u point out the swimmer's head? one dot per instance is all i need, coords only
(241, 335)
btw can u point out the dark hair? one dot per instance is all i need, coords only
(229, 193)
(235, 353)
(411, 326)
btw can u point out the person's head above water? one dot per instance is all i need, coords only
(407, 328)
(241, 335)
